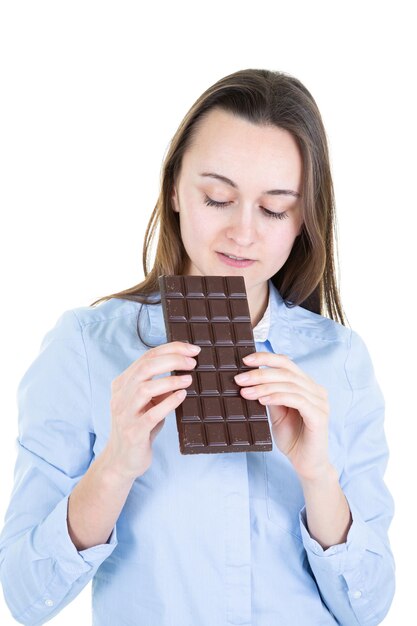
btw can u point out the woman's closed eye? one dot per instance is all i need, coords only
(221, 205)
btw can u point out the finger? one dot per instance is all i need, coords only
(261, 391)
(174, 347)
(273, 360)
(150, 390)
(273, 374)
(155, 367)
(156, 430)
(312, 415)
(171, 348)
(163, 365)
(158, 412)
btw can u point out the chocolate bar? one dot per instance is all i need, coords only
(213, 312)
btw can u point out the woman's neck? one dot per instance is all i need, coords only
(258, 301)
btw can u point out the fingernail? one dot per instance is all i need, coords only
(186, 379)
(240, 378)
(248, 359)
(192, 349)
(264, 399)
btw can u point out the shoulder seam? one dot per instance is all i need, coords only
(346, 373)
(314, 334)
(88, 366)
(104, 319)
(302, 331)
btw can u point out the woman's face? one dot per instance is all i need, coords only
(261, 214)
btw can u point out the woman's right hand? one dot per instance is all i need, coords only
(139, 404)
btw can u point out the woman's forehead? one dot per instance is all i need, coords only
(228, 150)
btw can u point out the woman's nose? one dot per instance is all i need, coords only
(241, 228)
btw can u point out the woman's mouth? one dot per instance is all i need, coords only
(233, 261)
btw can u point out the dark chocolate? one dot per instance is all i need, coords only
(213, 312)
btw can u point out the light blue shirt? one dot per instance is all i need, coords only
(207, 539)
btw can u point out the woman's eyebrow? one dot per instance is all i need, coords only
(271, 192)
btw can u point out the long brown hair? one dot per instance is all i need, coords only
(268, 98)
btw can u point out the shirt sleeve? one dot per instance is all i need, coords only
(357, 579)
(40, 568)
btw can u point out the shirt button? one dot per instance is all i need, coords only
(49, 602)
(357, 594)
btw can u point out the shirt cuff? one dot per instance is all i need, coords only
(51, 537)
(341, 558)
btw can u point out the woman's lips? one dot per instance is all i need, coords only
(234, 262)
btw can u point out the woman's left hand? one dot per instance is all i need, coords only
(298, 407)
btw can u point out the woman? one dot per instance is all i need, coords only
(293, 536)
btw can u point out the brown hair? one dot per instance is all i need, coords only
(268, 98)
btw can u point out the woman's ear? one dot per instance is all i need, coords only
(174, 198)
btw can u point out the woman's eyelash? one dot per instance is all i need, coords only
(220, 205)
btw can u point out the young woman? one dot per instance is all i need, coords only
(297, 535)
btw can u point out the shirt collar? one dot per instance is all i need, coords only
(273, 327)
(261, 330)
(279, 336)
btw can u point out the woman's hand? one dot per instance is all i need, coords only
(140, 403)
(298, 407)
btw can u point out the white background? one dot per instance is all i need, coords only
(92, 93)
